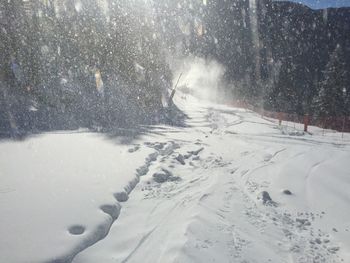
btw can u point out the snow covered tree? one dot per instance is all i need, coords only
(60, 46)
(333, 89)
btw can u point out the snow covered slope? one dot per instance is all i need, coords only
(59, 193)
(229, 187)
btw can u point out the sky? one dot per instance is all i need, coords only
(319, 4)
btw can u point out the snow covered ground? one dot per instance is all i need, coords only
(229, 187)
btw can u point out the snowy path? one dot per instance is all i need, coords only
(212, 213)
(200, 197)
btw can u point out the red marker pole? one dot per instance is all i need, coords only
(280, 118)
(306, 122)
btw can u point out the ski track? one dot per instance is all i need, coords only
(241, 223)
(139, 245)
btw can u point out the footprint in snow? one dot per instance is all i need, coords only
(287, 192)
(121, 197)
(111, 210)
(76, 230)
(164, 176)
(134, 149)
(266, 199)
(181, 159)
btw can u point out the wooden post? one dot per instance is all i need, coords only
(324, 126)
(294, 120)
(306, 122)
(280, 118)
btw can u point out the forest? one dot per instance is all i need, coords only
(71, 64)
(282, 56)
(106, 63)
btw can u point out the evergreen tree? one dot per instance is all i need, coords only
(61, 45)
(331, 100)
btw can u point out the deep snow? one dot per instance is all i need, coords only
(202, 195)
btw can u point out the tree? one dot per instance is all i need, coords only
(62, 44)
(333, 89)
